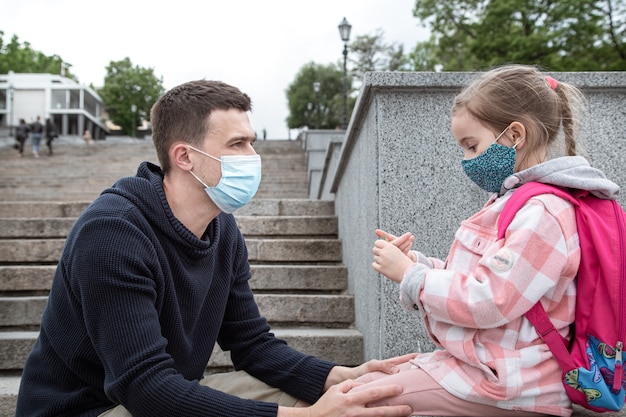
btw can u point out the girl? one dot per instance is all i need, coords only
(491, 361)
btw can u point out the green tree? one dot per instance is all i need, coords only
(322, 109)
(563, 35)
(21, 58)
(129, 93)
(425, 56)
(371, 53)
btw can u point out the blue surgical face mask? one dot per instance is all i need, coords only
(241, 176)
(489, 169)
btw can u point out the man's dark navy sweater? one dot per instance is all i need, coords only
(136, 307)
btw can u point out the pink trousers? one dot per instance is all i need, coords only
(428, 398)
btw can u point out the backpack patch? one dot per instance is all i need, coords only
(592, 362)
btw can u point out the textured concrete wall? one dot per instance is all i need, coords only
(399, 169)
(322, 149)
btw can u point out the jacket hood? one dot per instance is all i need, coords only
(145, 193)
(567, 172)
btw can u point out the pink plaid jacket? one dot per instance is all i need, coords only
(474, 304)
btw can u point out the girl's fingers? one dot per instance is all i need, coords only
(384, 235)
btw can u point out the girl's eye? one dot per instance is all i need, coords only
(471, 148)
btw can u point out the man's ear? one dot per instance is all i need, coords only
(517, 132)
(179, 153)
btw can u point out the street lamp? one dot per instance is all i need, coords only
(133, 109)
(344, 32)
(316, 88)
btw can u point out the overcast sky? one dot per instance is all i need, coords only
(258, 46)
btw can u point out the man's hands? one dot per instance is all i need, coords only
(338, 401)
(392, 255)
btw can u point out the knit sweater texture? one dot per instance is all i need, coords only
(136, 306)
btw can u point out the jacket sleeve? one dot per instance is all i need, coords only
(246, 334)
(487, 284)
(120, 271)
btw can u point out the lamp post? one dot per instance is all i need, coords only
(133, 109)
(316, 88)
(309, 107)
(344, 32)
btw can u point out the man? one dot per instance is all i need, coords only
(51, 134)
(36, 133)
(156, 271)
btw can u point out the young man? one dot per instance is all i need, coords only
(155, 272)
(36, 133)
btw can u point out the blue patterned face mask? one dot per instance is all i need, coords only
(241, 176)
(489, 169)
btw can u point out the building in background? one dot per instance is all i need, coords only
(73, 107)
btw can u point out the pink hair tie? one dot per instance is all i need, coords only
(552, 83)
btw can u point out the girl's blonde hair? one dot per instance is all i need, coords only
(523, 93)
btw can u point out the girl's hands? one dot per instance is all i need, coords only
(392, 255)
(388, 366)
(404, 242)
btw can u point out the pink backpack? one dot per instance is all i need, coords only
(593, 372)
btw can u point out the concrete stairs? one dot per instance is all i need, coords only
(298, 277)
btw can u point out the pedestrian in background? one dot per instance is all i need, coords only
(21, 134)
(87, 137)
(36, 130)
(50, 134)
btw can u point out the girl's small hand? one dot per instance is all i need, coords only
(390, 261)
(404, 242)
(387, 366)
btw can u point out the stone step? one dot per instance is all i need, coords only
(56, 227)
(294, 250)
(343, 345)
(278, 146)
(41, 191)
(77, 172)
(256, 207)
(266, 277)
(41, 209)
(25, 228)
(47, 251)
(270, 169)
(279, 309)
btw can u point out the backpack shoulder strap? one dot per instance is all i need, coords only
(537, 314)
(519, 198)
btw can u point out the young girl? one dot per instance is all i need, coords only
(491, 361)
